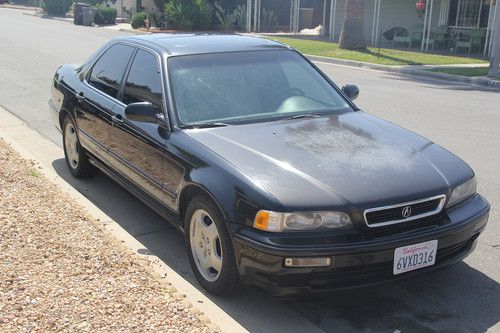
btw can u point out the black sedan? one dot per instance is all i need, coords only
(275, 177)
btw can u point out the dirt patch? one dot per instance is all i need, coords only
(60, 270)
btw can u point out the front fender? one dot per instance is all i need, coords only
(238, 199)
(238, 196)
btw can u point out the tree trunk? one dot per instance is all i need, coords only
(352, 36)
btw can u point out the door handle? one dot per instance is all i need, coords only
(80, 96)
(117, 118)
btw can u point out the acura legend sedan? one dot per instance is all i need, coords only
(275, 177)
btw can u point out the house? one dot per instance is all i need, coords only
(446, 24)
(127, 8)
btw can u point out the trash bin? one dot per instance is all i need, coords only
(88, 16)
(77, 12)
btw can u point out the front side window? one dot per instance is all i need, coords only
(143, 83)
(107, 73)
(249, 86)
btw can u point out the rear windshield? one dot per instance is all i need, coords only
(249, 86)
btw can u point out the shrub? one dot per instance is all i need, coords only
(137, 20)
(153, 19)
(105, 15)
(56, 7)
(203, 14)
(226, 19)
(179, 15)
(160, 5)
(240, 14)
(268, 19)
(189, 14)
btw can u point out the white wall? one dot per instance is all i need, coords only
(149, 6)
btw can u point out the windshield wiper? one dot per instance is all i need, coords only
(204, 125)
(305, 115)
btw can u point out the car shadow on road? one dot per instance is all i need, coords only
(461, 299)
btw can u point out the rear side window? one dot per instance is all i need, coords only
(144, 81)
(107, 73)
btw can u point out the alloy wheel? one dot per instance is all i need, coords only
(205, 245)
(71, 145)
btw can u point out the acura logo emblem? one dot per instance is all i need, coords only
(406, 212)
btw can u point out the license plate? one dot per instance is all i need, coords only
(411, 257)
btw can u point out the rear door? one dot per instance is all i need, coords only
(98, 97)
(139, 148)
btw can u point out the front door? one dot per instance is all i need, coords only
(139, 148)
(98, 97)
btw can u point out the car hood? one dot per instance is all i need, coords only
(341, 160)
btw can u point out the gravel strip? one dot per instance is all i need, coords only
(60, 270)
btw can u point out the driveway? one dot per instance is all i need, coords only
(464, 119)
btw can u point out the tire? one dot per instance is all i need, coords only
(76, 158)
(210, 249)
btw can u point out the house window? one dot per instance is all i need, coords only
(465, 13)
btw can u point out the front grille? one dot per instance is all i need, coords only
(408, 211)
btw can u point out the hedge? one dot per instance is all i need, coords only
(56, 7)
(104, 15)
(137, 20)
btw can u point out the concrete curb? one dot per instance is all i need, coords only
(55, 18)
(19, 7)
(31, 145)
(412, 70)
(136, 32)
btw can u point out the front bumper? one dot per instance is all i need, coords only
(355, 264)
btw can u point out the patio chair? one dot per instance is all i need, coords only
(401, 37)
(431, 41)
(441, 37)
(477, 38)
(463, 42)
(416, 38)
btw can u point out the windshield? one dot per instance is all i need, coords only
(249, 86)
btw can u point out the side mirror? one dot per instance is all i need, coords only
(351, 90)
(143, 112)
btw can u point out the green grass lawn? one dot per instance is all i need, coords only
(387, 56)
(467, 71)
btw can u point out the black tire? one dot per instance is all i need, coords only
(228, 281)
(80, 166)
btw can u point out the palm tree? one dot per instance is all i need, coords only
(352, 35)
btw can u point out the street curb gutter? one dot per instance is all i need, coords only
(31, 145)
(135, 32)
(412, 71)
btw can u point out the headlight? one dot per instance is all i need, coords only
(277, 222)
(462, 192)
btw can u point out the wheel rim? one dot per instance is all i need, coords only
(205, 245)
(71, 145)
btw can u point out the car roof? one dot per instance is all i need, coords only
(186, 44)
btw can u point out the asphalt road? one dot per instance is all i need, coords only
(464, 119)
